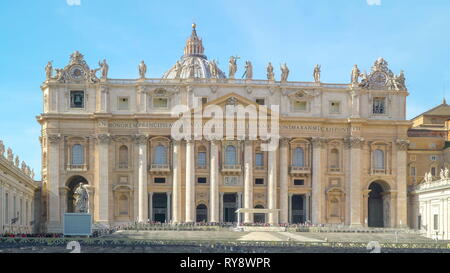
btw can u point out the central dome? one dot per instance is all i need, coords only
(194, 64)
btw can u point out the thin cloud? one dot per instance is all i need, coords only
(73, 2)
(373, 2)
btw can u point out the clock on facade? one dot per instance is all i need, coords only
(76, 72)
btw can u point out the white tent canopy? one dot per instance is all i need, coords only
(243, 210)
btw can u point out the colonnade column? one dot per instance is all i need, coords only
(150, 207)
(102, 160)
(176, 183)
(2, 205)
(284, 185)
(190, 178)
(402, 199)
(248, 180)
(53, 217)
(272, 186)
(143, 216)
(317, 190)
(214, 183)
(353, 185)
(169, 207)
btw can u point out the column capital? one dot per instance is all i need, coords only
(353, 142)
(141, 139)
(318, 142)
(54, 139)
(285, 140)
(402, 144)
(103, 138)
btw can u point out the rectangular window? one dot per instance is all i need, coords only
(436, 221)
(299, 105)
(259, 181)
(433, 157)
(201, 180)
(299, 182)
(123, 103)
(260, 101)
(201, 159)
(160, 103)
(76, 99)
(159, 180)
(335, 107)
(419, 222)
(259, 160)
(379, 105)
(413, 171)
(204, 100)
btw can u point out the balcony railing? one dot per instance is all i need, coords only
(380, 172)
(231, 168)
(76, 167)
(123, 165)
(159, 168)
(202, 167)
(300, 170)
(260, 168)
(334, 170)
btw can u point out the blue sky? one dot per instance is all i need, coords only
(410, 35)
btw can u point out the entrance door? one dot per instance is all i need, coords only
(229, 207)
(159, 207)
(375, 206)
(259, 217)
(298, 212)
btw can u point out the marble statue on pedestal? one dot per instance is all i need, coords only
(248, 74)
(2, 149)
(284, 72)
(10, 155)
(316, 73)
(49, 70)
(270, 74)
(81, 199)
(355, 74)
(232, 67)
(142, 70)
(104, 68)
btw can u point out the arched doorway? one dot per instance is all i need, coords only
(202, 213)
(72, 184)
(378, 205)
(259, 217)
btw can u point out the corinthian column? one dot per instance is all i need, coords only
(102, 178)
(176, 181)
(284, 202)
(248, 179)
(214, 183)
(353, 174)
(190, 178)
(272, 186)
(317, 189)
(142, 141)
(54, 220)
(402, 147)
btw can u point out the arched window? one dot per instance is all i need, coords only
(201, 157)
(299, 157)
(123, 156)
(123, 205)
(160, 155)
(378, 159)
(230, 155)
(334, 158)
(77, 154)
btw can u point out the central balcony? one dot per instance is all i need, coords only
(300, 170)
(159, 168)
(231, 169)
(76, 167)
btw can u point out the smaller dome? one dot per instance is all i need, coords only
(194, 64)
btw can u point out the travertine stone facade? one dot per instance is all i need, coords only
(337, 142)
(18, 195)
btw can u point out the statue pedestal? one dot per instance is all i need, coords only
(77, 224)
